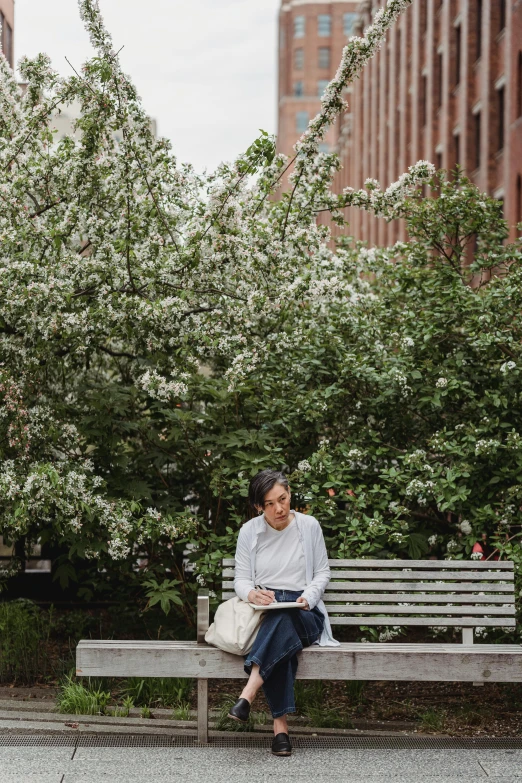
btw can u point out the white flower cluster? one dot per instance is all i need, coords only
(514, 441)
(421, 488)
(507, 366)
(465, 527)
(486, 446)
(160, 388)
(441, 383)
(476, 556)
(401, 380)
(304, 466)
(390, 633)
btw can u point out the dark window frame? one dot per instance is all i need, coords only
(458, 53)
(501, 107)
(477, 138)
(478, 30)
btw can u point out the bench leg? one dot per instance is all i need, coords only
(203, 711)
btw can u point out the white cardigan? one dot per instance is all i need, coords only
(316, 564)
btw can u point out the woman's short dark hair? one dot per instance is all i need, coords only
(262, 483)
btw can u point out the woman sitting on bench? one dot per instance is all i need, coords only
(281, 556)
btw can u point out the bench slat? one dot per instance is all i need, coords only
(465, 576)
(400, 619)
(349, 661)
(417, 598)
(410, 586)
(437, 564)
(436, 611)
(467, 622)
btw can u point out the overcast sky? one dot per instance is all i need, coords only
(205, 69)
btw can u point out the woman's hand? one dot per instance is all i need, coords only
(302, 600)
(261, 597)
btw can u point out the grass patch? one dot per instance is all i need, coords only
(354, 689)
(75, 698)
(432, 720)
(123, 711)
(158, 691)
(224, 723)
(310, 700)
(182, 711)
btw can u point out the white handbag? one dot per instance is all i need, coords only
(235, 627)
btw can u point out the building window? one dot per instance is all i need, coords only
(298, 89)
(476, 139)
(324, 25)
(479, 27)
(440, 64)
(424, 101)
(299, 59)
(8, 42)
(349, 23)
(322, 84)
(424, 15)
(519, 200)
(299, 26)
(301, 121)
(500, 120)
(502, 15)
(456, 142)
(439, 160)
(282, 38)
(324, 57)
(458, 53)
(519, 85)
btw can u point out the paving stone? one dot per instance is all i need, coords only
(278, 776)
(225, 765)
(30, 778)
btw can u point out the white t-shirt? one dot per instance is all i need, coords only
(280, 562)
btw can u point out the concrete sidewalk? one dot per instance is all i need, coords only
(246, 765)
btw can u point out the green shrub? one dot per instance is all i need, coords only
(24, 631)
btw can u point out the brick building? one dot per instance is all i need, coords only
(7, 35)
(446, 87)
(312, 34)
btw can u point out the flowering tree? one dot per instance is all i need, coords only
(164, 335)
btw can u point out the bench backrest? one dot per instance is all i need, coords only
(460, 593)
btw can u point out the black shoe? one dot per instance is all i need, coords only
(240, 711)
(281, 745)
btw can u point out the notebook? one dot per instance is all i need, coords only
(278, 605)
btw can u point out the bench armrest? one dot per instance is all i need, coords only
(203, 615)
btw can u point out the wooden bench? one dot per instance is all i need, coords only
(444, 593)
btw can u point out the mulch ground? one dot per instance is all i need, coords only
(455, 709)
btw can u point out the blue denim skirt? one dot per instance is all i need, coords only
(282, 634)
